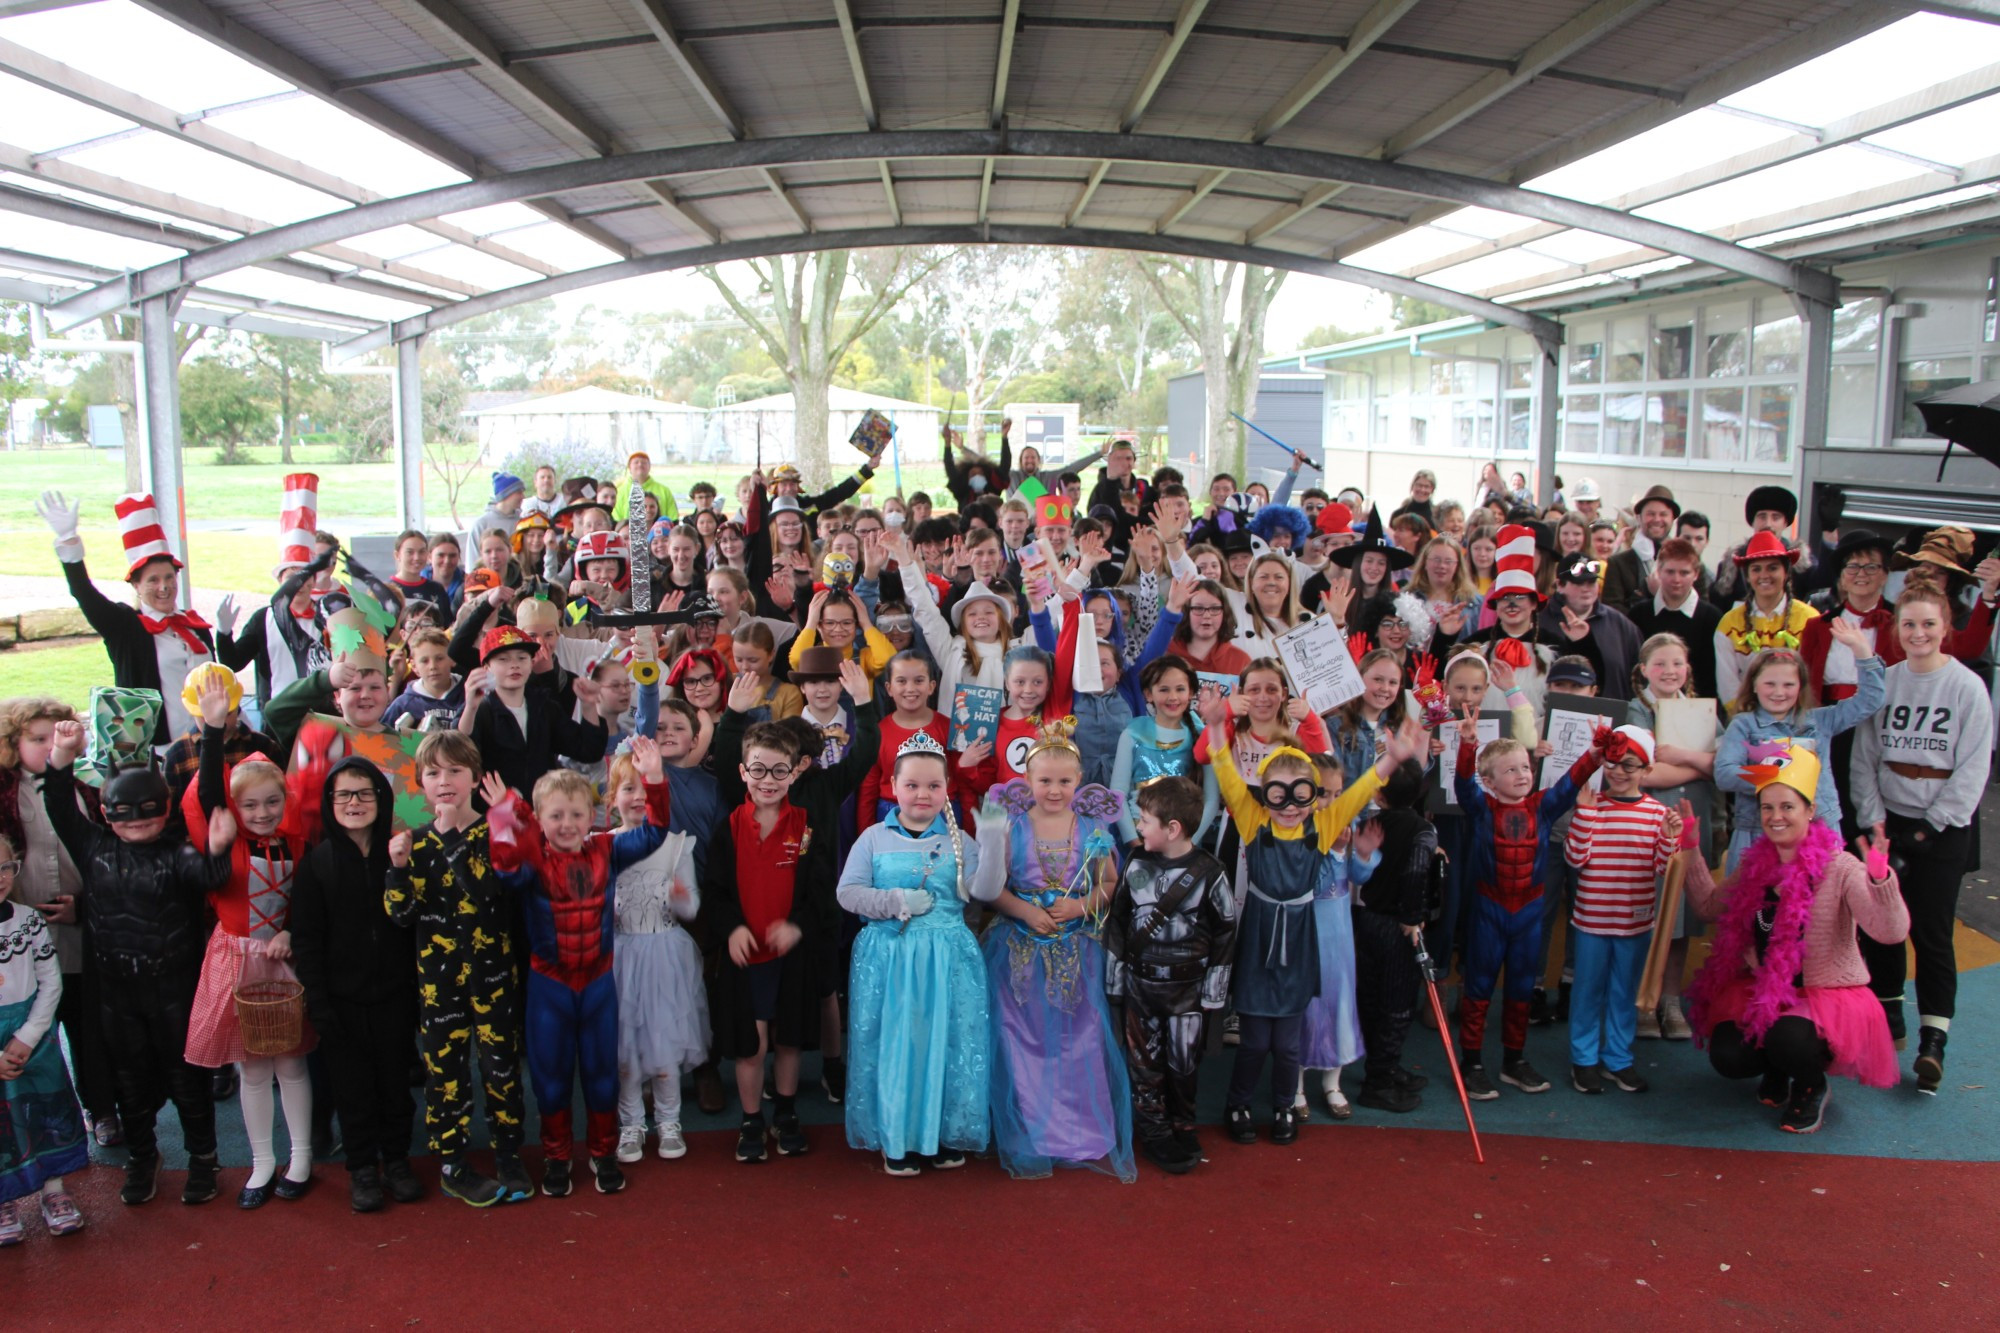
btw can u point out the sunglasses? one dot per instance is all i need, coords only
(1298, 792)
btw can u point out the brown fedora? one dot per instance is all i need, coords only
(1660, 493)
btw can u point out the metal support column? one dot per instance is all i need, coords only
(409, 421)
(1815, 393)
(160, 408)
(1542, 418)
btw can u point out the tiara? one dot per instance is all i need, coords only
(920, 742)
(1054, 735)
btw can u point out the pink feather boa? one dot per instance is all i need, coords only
(1771, 987)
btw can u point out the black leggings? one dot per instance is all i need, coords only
(1933, 868)
(1387, 983)
(1791, 1047)
(1282, 1039)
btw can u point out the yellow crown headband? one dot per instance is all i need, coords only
(1291, 752)
(1055, 736)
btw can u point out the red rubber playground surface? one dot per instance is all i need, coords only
(1368, 1228)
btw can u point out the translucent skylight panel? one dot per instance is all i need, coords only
(1827, 175)
(1963, 134)
(59, 240)
(1903, 57)
(1870, 216)
(475, 266)
(196, 173)
(555, 244)
(497, 217)
(39, 120)
(265, 285)
(396, 242)
(1417, 246)
(330, 139)
(1494, 270)
(1579, 247)
(131, 49)
(1681, 145)
(1484, 223)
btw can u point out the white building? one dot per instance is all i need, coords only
(735, 431)
(600, 420)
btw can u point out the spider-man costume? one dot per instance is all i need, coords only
(1510, 859)
(572, 1009)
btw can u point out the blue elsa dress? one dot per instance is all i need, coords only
(918, 1058)
(1332, 1036)
(1061, 1092)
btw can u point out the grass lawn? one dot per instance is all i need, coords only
(67, 671)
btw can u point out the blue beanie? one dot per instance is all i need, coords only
(505, 484)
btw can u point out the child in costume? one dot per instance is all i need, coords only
(442, 883)
(41, 1128)
(1388, 928)
(1287, 834)
(252, 922)
(566, 876)
(1168, 943)
(1619, 843)
(908, 682)
(144, 921)
(1509, 846)
(918, 1064)
(1161, 744)
(1061, 1095)
(1332, 1036)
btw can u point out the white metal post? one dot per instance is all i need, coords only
(1543, 419)
(409, 420)
(1815, 394)
(160, 406)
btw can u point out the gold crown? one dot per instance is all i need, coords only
(1055, 735)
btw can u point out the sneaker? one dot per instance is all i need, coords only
(1169, 1156)
(901, 1166)
(364, 1190)
(1284, 1126)
(1405, 1079)
(1389, 1095)
(468, 1186)
(1628, 1079)
(1774, 1089)
(631, 1143)
(203, 1181)
(1586, 1079)
(401, 1182)
(750, 1140)
(1242, 1129)
(60, 1214)
(1673, 1021)
(1232, 1032)
(833, 1079)
(792, 1141)
(1523, 1075)
(1930, 1059)
(1539, 1013)
(672, 1145)
(947, 1159)
(1648, 1026)
(108, 1130)
(1337, 1104)
(556, 1177)
(609, 1175)
(142, 1179)
(11, 1231)
(514, 1178)
(1478, 1087)
(1806, 1111)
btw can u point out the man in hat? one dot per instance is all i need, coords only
(1676, 607)
(639, 477)
(786, 480)
(1606, 636)
(1629, 575)
(505, 510)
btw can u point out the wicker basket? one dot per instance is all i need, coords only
(272, 1014)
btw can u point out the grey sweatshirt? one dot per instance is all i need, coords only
(1940, 719)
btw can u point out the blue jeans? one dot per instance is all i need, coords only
(1603, 1000)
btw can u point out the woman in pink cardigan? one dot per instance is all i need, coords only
(1785, 994)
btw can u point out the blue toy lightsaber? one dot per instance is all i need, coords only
(1309, 462)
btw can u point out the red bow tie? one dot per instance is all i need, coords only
(183, 623)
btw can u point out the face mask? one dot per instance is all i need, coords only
(977, 481)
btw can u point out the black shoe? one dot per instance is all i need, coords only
(468, 1186)
(1169, 1156)
(1405, 1079)
(1190, 1140)
(1478, 1087)
(1284, 1126)
(902, 1166)
(142, 1178)
(364, 1190)
(252, 1197)
(401, 1182)
(792, 1140)
(202, 1183)
(556, 1177)
(291, 1191)
(1628, 1079)
(1242, 1129)
(609, 1175)
(750, 1140)
(1388, 1095)
(708, 1089)
(1806, 1111)
(515, 1181)
(1587, 1079)
(1562, 1002)
(108, 1130)
(1930, 1059)
(1523, 1075)
(222, 1083)
(947, 1159)
(1893, 1011)
(833, 1080)
(1539, 1014)
(1774, 1089)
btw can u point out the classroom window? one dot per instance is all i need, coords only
(1628, 351)
(1624, 423)
(1581, 422)
(1667, 424)
(1586, 357)
(1720, 435)
(1850, 408)
(1771, 425)
(1725, 336)
(1774, 346)
(1926, 379)
(1673, 346)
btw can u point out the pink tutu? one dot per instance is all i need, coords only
(1849, 1018)
(215, 1037)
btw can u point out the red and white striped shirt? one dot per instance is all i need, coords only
(1618, 848)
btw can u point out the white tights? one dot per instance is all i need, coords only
(631, 1103)
(295, 1090)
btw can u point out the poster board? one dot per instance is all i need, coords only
(1493, 724)
(1572, 723)
(1223, 682)
(1315, 656)
(1690, 724)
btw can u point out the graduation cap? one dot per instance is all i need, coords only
(1967, 416)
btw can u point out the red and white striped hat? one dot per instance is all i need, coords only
(1514, 563)
(144, 538)
(298, 519)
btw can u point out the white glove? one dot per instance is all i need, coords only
(226, 613)
(60, 514)
(915, 903)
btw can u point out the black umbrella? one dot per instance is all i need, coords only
(1969, 415)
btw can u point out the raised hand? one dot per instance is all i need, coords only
(1878, 854)
(1672, 827)
(1574, 626)
(60, 513)
(1408, 742)
(69, 742)
(213, 696)
(221, 831)
(746, 691)
(1988, 574)
(494, 788)
(646, 758)
(855, 681)
(1849, 636)
(1178, 593)
(226, 614)
(587, 691)
(1501, 673)
(779, 585)
(1468, 727)
(399, 850)
(1297, 710)
(1586, 796)
(1211, 706)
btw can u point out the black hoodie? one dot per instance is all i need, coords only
(345, 948)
